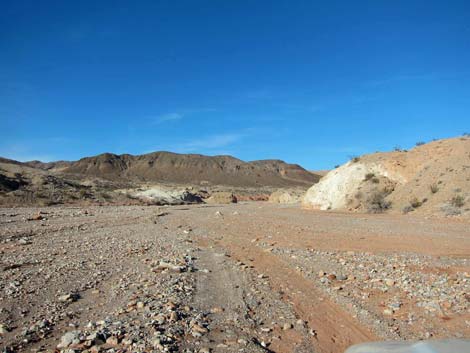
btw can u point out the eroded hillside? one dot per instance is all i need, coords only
(432, 178)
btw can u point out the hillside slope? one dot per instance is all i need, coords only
(433, 178)
(190, 168)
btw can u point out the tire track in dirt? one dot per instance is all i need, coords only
(236, 315)
(335, 329)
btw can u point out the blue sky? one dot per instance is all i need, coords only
(310, 82)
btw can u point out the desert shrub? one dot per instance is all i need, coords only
(457, 201)
(434, 188)
(375, 180)
(415, 203)
(419, 143)
(106, 196)
(450, 210)
(407, 209)
(397, 149)
(355, 159)
(85, 194)
(369, 176)
(377, 202)
(337, 166)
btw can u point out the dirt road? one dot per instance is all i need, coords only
(225, 278)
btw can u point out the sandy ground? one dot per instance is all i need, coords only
(245, 277)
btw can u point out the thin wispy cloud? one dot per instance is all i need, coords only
(167, 117)
(213, 142)
(221, 143)
(179, 114)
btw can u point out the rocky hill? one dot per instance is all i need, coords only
(432, 178)
(118, 178)
(189, 168)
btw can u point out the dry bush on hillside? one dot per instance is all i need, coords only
(450, 210)
(415, 203)
(355, 159)
(377, 203)
(457, 201)
(407, 209)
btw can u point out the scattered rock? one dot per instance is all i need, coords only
(70, 338)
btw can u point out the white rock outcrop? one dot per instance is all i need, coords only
(338, 187)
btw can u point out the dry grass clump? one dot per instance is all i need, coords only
(450, 210)
(415, 203)
(407, 209)
(434, 188)
(377, 203)
(355, 159)
(372, 178)
(457, 201)
(454, 206)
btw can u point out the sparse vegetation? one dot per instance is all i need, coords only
(106, 196)
(369, 176)
(377, 202)
(450, 210)
(407, 209)
(457, 201)
(415, 203)
(434, 188)
(375, 180)
(355, 159)
(420, 143)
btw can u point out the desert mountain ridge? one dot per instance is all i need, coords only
(183, 168)
(105, 176)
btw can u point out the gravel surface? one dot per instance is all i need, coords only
(250, 277)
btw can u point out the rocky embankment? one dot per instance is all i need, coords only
(431, 179)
